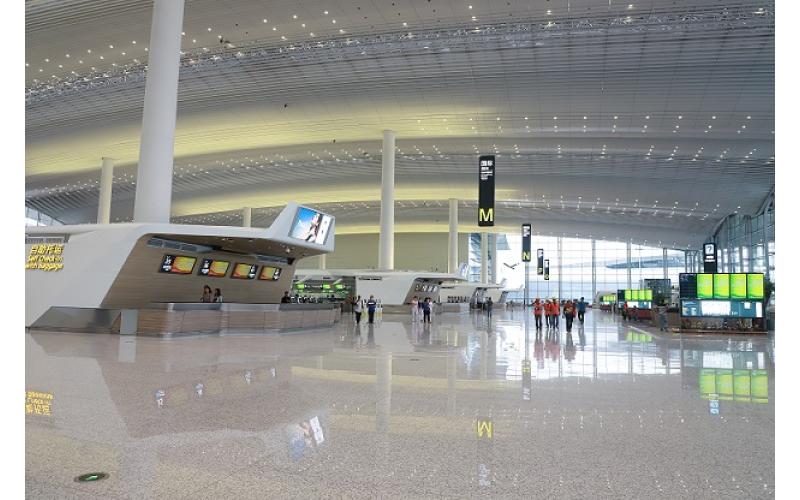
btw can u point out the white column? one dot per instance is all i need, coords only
(386, 238)
(494, 258)
(452, 238)
(664, 261)
(484, 257)
(156, 150)
(323, 261)
(247, 217)
(628, 261)
(106, 185)
(560, 259)
(594, 271)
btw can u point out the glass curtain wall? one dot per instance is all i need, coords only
(747, 243)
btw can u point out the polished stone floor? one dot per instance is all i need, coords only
(402, 410)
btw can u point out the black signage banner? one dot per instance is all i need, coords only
(526, 243)
(710, 258)
(486, 191)
(540, 261)
(547, 269)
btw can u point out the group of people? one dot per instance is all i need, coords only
(209, 296)
(421, 308)
(358, 308)
(552, 309)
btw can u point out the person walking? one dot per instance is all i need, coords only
(489, 304)
(556, 313)
(537, 313)
(569, 315)
(358, 308)
(581, 310)
(372, 304)
(415, 309)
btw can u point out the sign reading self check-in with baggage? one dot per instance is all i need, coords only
(486, 191)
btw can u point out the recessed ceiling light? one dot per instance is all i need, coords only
(294, 16)
(265, 21)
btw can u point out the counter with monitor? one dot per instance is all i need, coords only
(98, 275)
(722, 301)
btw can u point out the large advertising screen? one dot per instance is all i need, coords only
(244, 271)
(755, 286)
(705, 286)
(722, 286)
(270, 273)
(310, 226)
(177, 264)
(213, 268)
(739, 286)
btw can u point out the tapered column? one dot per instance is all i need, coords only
(594, 271)
(560, 258)
(628, 262)
(452, 238)
(666, 265)
(493, 259)
(386, 238)
(106, 185)
(484, 257)
(247, 217)
(156, 150)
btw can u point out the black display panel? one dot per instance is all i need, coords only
(486, 166)
(687, 284)
(526, 243)
(540, 261)
(547, 269)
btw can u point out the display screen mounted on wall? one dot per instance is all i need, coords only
(738, 286)
(213, 268)
(705, 286)
(311, 226)
(755, 286)
(270, 273)
(177, 264)
(526, 243)
(486, 165)
(722, 286)
(244, 271)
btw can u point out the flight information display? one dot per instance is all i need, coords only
(244, 271)
(177, 264)
(213, 268)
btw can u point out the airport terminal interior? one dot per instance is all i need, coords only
(400, 249)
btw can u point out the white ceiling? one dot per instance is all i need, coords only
(662, 107)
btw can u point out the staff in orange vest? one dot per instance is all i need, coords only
(556, 313)
(537, 313)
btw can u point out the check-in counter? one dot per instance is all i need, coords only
(185, 318)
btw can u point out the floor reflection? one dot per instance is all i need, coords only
(464, 404)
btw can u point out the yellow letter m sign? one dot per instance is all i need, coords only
(486, 215)
(484, 428)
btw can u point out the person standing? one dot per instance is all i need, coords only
(286, 299)
(358, 308)
(217, 295)
(426, 310)
(207, 296)
(581, 310)
(556, 312)
(569, 315)
(489, 304)
(372, 304)
(414, 309)
(537, 313)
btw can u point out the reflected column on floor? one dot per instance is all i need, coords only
(484, 354)
(126, 352)
(452, 366)
(383, 390)
(594, 346)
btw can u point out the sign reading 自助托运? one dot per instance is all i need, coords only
(486, 166)
(46, 257)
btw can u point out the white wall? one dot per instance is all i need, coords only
(413, 251)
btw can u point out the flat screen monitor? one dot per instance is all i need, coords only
(628, 295)
(213, 268)
(177, 264)
(310, 226)
(688, 285)
(722, 286)
(270, 273)
(755, 286)
(705, 286)
(244, 271)
(648, 295)
(738, 286)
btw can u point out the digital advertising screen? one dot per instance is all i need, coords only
(270, 273)
(244, 271)
(705, 286)
(687, 283)
(628, 295)
(722, 286)
(755, 286)
(310, 226)
(738, 286)
(177, 264)
(213, 268)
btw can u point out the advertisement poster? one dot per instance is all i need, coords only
(722, 286)
(705, 286)
(177, 264)
(311, 226)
